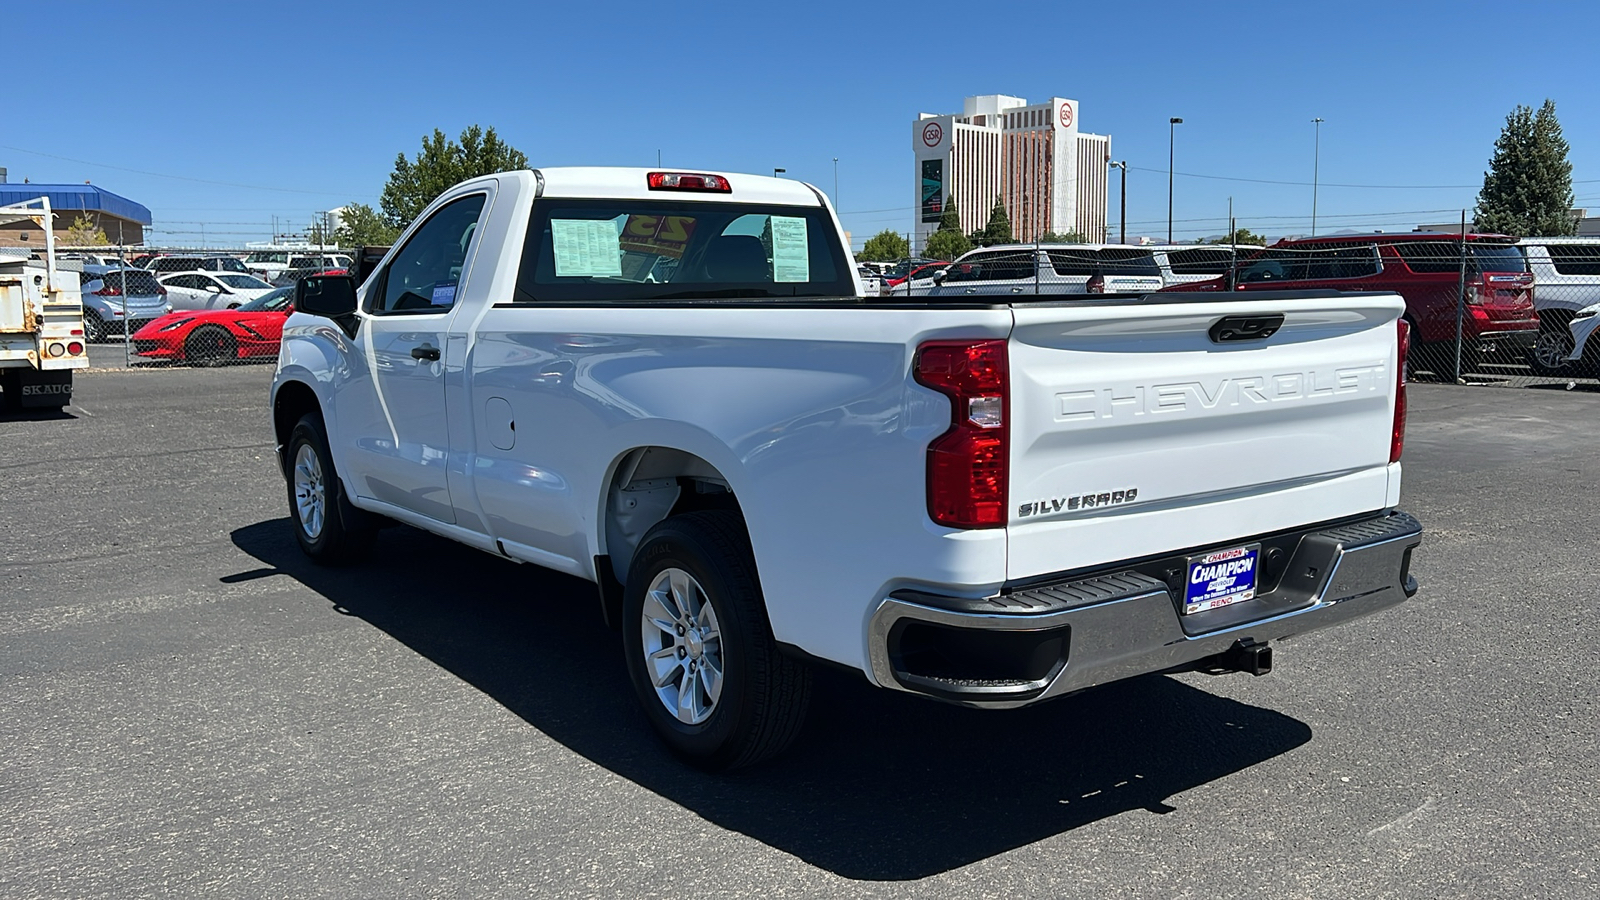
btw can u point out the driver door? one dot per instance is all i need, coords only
(400, 437)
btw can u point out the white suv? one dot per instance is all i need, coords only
(1566, 279)
(1052, 269)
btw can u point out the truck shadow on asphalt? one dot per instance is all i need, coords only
(882, 786)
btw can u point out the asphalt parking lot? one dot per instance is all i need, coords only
(188, 708)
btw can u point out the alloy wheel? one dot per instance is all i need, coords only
(310, 491)
(682, 646)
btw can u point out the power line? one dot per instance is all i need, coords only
(235, 184)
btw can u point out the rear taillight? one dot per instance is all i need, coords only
(109, 291)
(685, 181)
(969, 465)
(161, 289)
(1397, 439)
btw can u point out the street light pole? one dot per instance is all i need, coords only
(836, 184)
(1316, 167)
(1122, 223)
(776, 172)
(1172, 131)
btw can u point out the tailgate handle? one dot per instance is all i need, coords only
(1246, 328)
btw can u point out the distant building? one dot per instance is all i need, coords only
(1049, 175)
(123, 220)
(1587, 227)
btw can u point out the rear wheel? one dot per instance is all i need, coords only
(317, 506)
(699, 649)
(210, 345)
(94, 329)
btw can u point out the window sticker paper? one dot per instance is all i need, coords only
(444, 293)
(791, 258)
(586, 247)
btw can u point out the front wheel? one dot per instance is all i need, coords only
(210, 345)
(1550, 351)
(699, 648)
(316, 504)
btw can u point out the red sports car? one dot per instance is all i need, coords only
(215, 336)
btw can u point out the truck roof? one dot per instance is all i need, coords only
(630, 184)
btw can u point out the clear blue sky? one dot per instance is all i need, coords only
(300, 107)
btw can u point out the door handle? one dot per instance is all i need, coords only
(425, 352)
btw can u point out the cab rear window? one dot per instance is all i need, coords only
(602, 251)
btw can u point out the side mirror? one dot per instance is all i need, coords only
(938, 277)
(329, 296)
(213, 289)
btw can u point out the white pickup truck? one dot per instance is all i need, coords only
(670, 384)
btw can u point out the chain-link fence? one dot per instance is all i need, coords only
(1483, 309)
(174, 306)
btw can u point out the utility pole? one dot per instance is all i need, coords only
(1172, 131)
(1316, 167)
(836, 184)
(776, 172)
(1122, 221)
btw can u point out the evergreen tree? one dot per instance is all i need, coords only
(1528, 189)
(998, 231)
(948, 242)
(951, 220)
(885, 246)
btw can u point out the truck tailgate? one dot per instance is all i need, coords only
(1134, 432)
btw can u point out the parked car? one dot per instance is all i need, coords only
(1050, 269)
(1498, 321)
(1583, 354)
(219, 335)
(871, 281)
(1566, 280)
(165, 264)
(918, 276)
(112, 295)
(1188, 264)
(990, 503)
(320, 264)
(205, 290)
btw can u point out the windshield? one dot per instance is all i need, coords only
(629, 250)
(266, 256)
(243, 282)
(230, 264)
(272, 302)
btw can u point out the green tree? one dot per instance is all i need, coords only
(442, 163)
(361, 226)
(1242, 236)
(84, 233)
(1528, 188)
(947, 245)
(885, 246)
(1070, 237)
(998, 231)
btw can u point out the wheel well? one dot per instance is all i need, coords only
(293, 401)
(651, 484)
(1555, 319)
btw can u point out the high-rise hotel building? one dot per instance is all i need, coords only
(1050, 175)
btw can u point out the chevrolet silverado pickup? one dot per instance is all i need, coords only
(671, 384)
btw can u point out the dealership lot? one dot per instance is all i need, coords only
(190, 708)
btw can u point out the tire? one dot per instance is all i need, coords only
(322, 517)
(94, 328)
(754, 706)
(210, 345)
(1548, 355)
